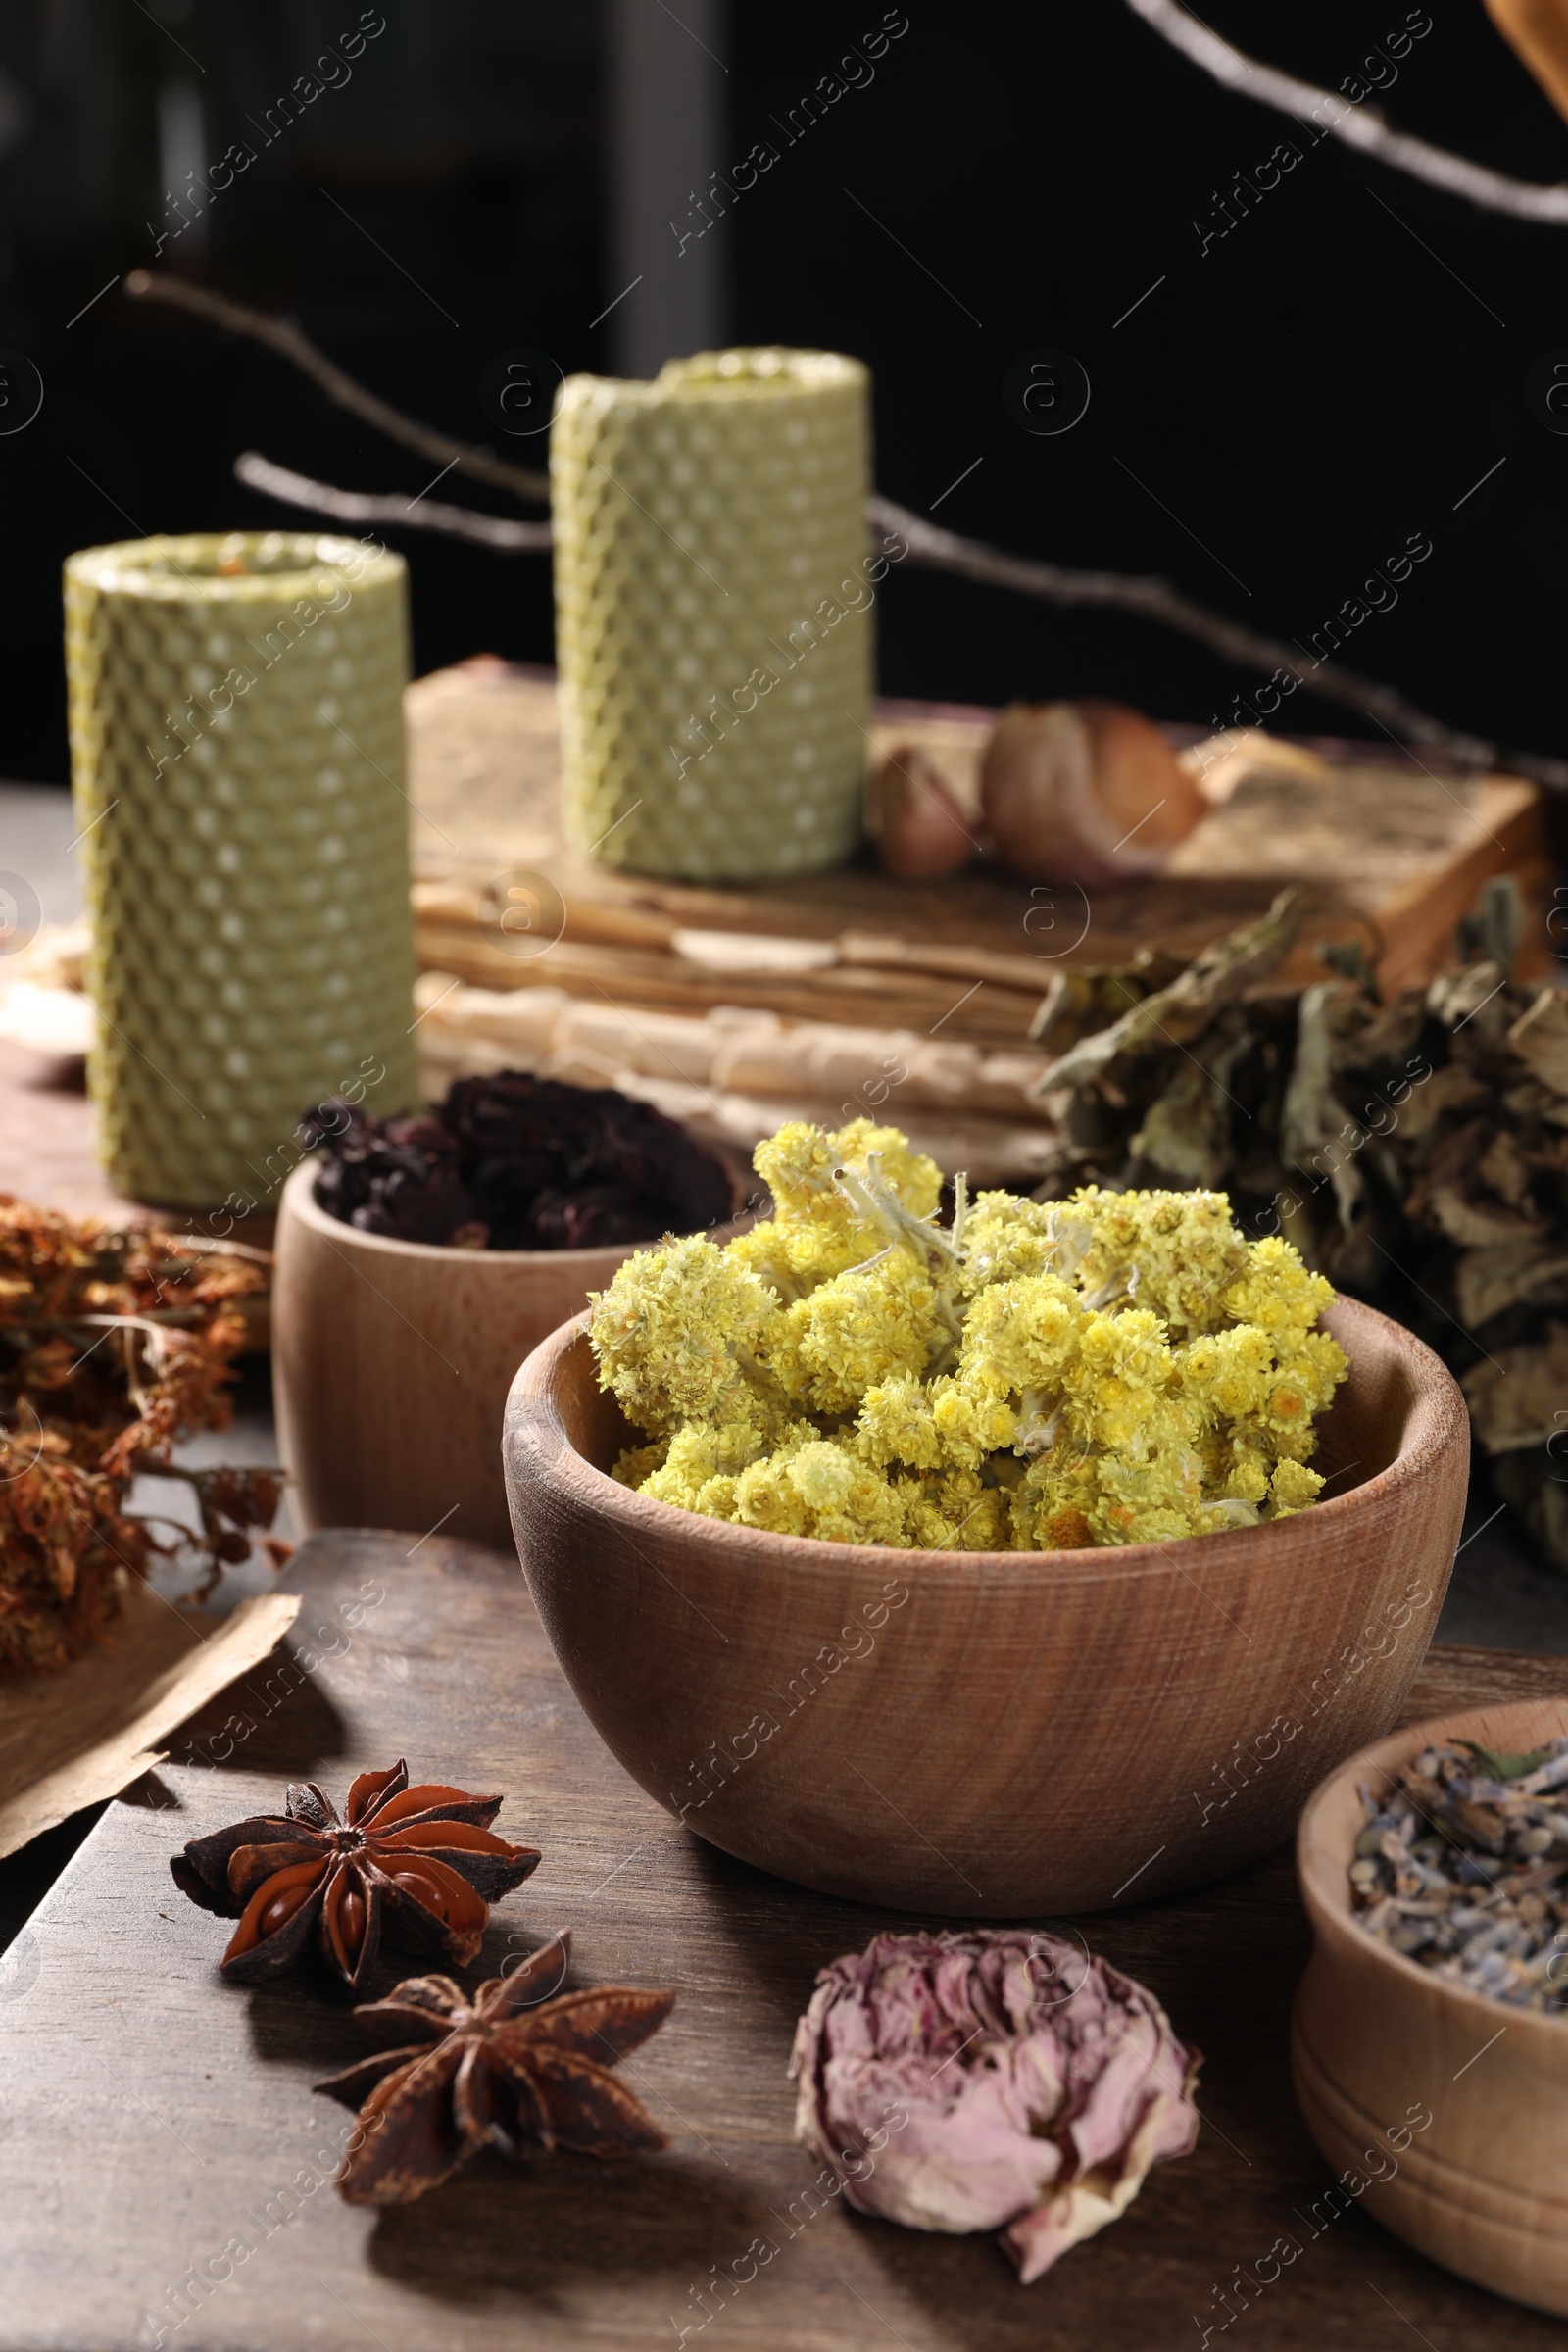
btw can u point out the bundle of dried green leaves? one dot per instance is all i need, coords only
(113, 1344)
(1415, 1150)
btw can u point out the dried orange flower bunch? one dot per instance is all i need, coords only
(113, 1344)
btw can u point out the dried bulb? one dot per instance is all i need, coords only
(1222, 763)
(1085, 791)
(914, 818)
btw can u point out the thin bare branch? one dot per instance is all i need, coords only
(1359, 125)
(1154, 600)
(281, 336)
(1149, 599)
(403, 513)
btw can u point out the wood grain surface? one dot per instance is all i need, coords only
(155, 2116)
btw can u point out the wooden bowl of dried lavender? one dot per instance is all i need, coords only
(994, 1734)
(1430, 2038)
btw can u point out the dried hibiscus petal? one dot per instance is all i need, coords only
(518, 1162)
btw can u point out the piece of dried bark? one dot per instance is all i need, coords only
(1541, 1038)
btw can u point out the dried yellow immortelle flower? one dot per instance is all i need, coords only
(1117, 1369)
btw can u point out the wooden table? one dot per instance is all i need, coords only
(156, 2124)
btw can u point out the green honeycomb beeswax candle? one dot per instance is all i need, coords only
(236, 738)
(713, 613)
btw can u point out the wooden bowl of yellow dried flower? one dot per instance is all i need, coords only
(994, 1734)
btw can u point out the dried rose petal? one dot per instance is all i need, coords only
(990, 2079)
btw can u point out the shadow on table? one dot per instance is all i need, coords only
(556, 2225)
(278, 1719)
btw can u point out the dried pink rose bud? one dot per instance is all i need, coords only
(991, 2079)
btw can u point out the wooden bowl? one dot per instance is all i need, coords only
(994, 1734)
(391, 1362)
(1376, 2042)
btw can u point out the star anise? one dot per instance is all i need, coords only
(419, 1865)
(512, 2069)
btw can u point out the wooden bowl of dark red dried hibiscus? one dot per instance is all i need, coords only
(420, 1259)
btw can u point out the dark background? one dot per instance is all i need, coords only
(1316, 388)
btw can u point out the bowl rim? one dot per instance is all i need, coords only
(1438, 1418)
(1325, 1884)
(298, 1195)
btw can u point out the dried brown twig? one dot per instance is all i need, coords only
(1150, 599)
(283, 337)
(1156, 600)
(1359, 125)
(367, 506)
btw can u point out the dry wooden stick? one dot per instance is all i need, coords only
(281, 336)
(368, 506)
(1149, 598)
(1360, 126)
(1156, 600)
(851, 993)
(1152, 599)
(749, 1052)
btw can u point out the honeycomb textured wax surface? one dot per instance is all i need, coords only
(236, 732)
(713, 613)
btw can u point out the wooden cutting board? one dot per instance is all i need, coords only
(156, 2121)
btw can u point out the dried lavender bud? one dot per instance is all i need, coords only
(1454, 1870)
